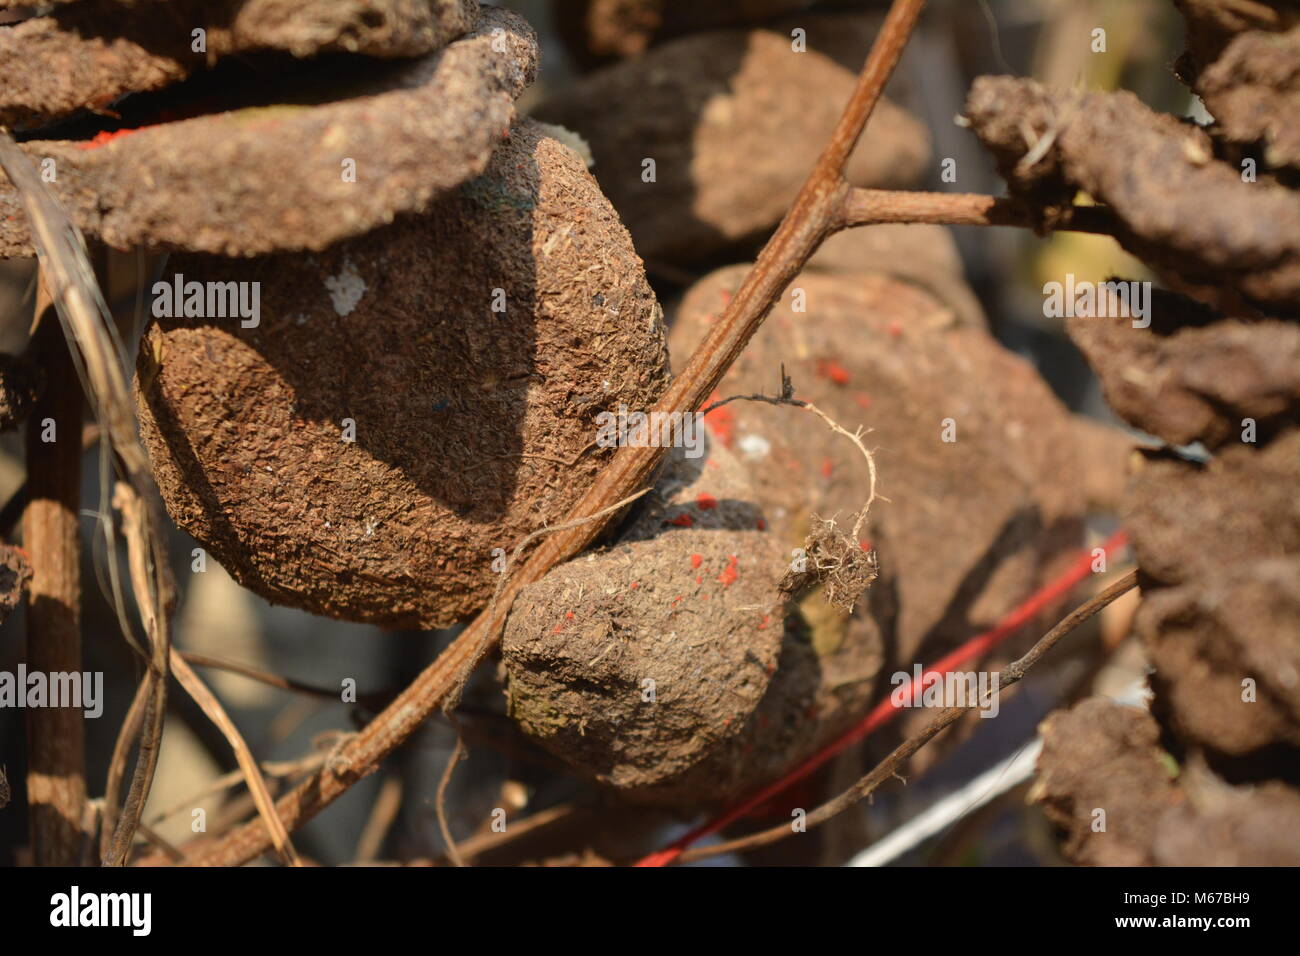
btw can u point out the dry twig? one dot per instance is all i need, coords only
(890, 766)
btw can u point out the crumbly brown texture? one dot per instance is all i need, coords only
(1191, 521)
(1194, 375)
(21, 382)
(634, 663)
(733, 120)
(15, 575)
(272, 178)
(1226, 658)
(757, 684)
(1253, 92)
(87, 55)
(1185, 213)
(1102, 756)
(1214, 24)
(472, 427)
(1232, 826)
(597, 31)
(920, 253)
(971, 526)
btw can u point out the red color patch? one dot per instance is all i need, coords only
(706, 502)
(833, 370)
(729, 574)
(721, 422)
(683, 521)
(697, 560)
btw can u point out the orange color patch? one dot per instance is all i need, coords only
(729, 574)
(833, 370)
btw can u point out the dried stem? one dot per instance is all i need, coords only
(248, 763)
(816, 213)
(56, 782)
(98, 356)
(126, 737)
(890, 766)
(869, 207)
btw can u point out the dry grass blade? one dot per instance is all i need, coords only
(247, 762)
(97, 352)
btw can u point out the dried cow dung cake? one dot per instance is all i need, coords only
(1231, 243)
(973, 451)
(362, 450)
(705, 141)
(289, 174)
(87, 55)
(688, 599)
(636, 662)
(1192, 375)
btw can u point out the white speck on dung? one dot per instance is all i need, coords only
(346, 288)
(754, 447)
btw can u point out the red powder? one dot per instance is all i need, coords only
(697, 560)
(833, 370)
(729, 574)
(706, 502)
(721, 422)
(104, 136)
(683, 521)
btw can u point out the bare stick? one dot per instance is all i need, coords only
(56, 782)
(816, 213)
(890, 766)
(261, 676)
(870, 207)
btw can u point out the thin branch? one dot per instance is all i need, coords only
(814, 215)
(787, 398)
(56, 781)
(891, 765)
(268, 678)
(868, 207)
